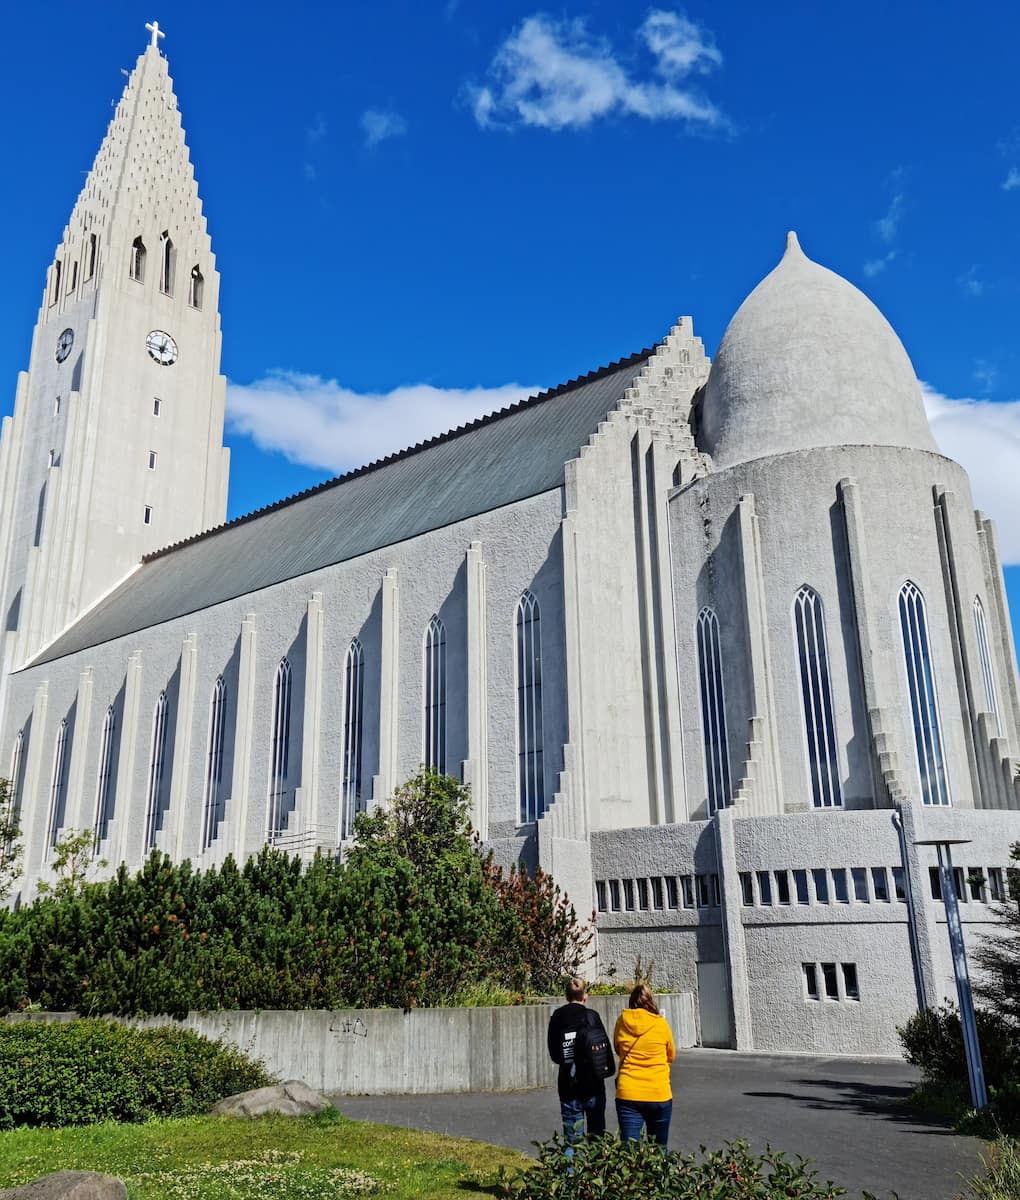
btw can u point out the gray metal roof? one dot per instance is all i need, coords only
(497, 460)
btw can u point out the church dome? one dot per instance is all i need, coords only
(809, 361)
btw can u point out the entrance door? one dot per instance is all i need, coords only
(714, 1004)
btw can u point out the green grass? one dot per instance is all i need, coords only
(272, 1158)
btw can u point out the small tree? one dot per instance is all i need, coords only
(73, 855)
(11, 849)
(999, 954)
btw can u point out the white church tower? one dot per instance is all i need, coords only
(115, 446)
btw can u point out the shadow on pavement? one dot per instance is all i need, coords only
(869, 1099)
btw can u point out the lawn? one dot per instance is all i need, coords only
(272, 1158)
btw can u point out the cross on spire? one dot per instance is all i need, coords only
(157, 33)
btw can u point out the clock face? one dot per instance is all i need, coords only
(161, 347)
(64, 344)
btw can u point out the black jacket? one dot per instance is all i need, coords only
(563, 1027)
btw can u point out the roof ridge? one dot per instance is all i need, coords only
(409, 451)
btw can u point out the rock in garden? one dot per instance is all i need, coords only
(69, 1185)
(291, 1099)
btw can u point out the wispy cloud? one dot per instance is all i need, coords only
(555, 75)
(875, 266)
(888, 226)
(317, 130)
(377, 125)
(970, 284)
(986, 374)
(1012, 180)
(984, 437)
(322, 424)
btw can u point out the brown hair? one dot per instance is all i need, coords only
(576, 989)
(641, 997)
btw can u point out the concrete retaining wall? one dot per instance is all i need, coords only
(381, 1050)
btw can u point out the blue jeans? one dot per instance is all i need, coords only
(575, 1112)
(633, 1114)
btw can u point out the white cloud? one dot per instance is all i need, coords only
(1012, 180)
(888, 226)
(377, 126)
(319, 423)
(554, 75)
(984, 438)
(875, 266)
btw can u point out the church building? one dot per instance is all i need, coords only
(717, 643)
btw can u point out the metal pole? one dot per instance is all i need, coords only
(975, 1071)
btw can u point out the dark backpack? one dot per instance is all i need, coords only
(592, 1051)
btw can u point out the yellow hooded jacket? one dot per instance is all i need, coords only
(644, 1046)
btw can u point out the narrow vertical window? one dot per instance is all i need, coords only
(157, 762)
(104, 798)
(713, 711)
(72, 281)
(280, 769)
(58, 267)
(213, 808)
(435, 696)
(931, 769)
(57, 786)
(196, 286)
(137, 265)
(157, 404)
(14, 792)
(810, 980)
(147, 515)
(90, 256)
(530, 737)
(167, 262)
(985, 653)
(351, 802)
(152, 460)
(819, 729)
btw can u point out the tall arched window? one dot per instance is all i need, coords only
(57, 788)
(137, 266)
(351, 802)
(280, 763)
(104, 792)
(157, 761)
(713, 712)
(90, 256)
(924, 711)
(167, 263)
(530, 767)
(196, 286)
(987, 673)
(434, 754)
(816, 695)
(214, 799)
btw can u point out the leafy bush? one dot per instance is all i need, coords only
(638, 1170)
(87, 1071)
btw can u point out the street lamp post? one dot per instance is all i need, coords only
(972, 1050)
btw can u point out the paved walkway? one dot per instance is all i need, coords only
(845, 1114)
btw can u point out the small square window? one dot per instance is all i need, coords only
(152, 460)
(642, 894)
(672, 894)
(614, 895)
(880, 884)
(839, 886)
(765, 888)
(860, 878)
(800, 883)
(148, 515)
(628, 895)
(900, 883)
(687, 885)
(850, 989)
(821, 881)
(783, 887)
(831, 981)
(157, 404)
(810, 980)
(656, 883)
(600, 896)
(746, 888)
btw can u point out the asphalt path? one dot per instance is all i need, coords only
(847, 1115)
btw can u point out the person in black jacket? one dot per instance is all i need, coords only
(582, 1096)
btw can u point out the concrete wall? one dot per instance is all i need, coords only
(429, 1050)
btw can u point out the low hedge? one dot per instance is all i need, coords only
(83, 1072)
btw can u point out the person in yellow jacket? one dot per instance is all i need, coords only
(644, 1045)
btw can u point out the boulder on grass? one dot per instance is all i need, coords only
(290, 1099)
(69, 1185)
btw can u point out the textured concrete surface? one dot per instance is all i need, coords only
(845, 1114)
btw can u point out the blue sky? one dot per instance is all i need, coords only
(420, 210)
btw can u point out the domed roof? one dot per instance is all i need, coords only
(809, 361)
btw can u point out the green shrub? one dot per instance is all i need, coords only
(83, 1072)
(1002, 1178)
(603, 1167)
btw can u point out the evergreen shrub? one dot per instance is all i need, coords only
(87, 1071)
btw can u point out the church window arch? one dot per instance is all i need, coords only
(213, 808)
(985, 655)
(58, 786)
(196, 287)
(351, 800)
(434, 741)
(157, 766)
(931, 770)
(91, 249)
(530, 738)
(816, 698)
(280, 760)
(104, 789)
(713, 712)
(136, 268)
(167, 263)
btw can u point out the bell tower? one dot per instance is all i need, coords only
(115, 446)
